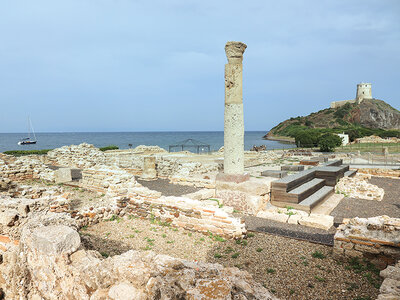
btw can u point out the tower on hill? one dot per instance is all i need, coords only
(363, 91)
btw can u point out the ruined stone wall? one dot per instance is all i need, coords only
(49, 262)
(337, 104)
(76, 156)
(133, 198)
(377, 239)
(24, 168)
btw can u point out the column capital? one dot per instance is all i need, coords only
(234, 52)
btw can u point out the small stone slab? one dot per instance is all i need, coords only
(292, 168)
(317, 221)
(274, 173)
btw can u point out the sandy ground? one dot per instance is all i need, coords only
(289, 268)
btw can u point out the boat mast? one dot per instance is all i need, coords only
(33, 131)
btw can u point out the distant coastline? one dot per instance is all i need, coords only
(284, 139)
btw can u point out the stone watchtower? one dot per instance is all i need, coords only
(363, 92)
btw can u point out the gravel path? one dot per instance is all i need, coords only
(166, 188)
(289, 268)
(290, 230)
(390, 204)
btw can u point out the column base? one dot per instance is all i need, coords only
(237, 178)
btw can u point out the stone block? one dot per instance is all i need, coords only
(149, 168)
(294, 219)
(63, 175)
(317, 221)
(8, 217)
(274, 173)
(56, 239)
(391, 272)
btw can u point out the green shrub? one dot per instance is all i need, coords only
(390, 133)
(307, 139)
(27, 152)
(308, 123)
(109, 147)
(328, 142)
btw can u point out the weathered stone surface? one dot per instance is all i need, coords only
(149, 168)
(63, 175)
(318, 221)
(8, 217)
(273, 216)
(58, 239)
(85, 274)
(233, 117)
(125, 291)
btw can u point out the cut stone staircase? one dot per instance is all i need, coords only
(308, 188)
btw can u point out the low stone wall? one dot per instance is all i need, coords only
(377, 239)
(186, 213)
(132, 198)
(24, 168)
(49, 262)
(381, 172)
(390, 288)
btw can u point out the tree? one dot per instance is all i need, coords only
(306, 139)
(328, 142)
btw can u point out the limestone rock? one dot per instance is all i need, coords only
(59, 239)
(8, 217)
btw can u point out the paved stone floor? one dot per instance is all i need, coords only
(390, 204)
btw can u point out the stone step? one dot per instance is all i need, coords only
(350, 173)
(310, 202)
(306, 189)
(274, 173)
(290, 182)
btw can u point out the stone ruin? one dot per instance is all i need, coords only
(43, 257)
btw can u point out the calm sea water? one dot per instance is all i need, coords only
(8, 141)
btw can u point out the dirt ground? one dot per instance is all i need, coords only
(289, 268)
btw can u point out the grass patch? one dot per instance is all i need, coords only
(318, 254)
(109, 147)
(27, 152)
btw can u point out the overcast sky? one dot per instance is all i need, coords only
(127, 65)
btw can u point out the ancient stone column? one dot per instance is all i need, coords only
(233, 121)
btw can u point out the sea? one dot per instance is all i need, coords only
(125, 140)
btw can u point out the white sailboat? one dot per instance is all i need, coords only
(28, 141)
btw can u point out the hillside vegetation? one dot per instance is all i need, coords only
(370, 117)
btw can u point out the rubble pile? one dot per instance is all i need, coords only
(358, 187)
